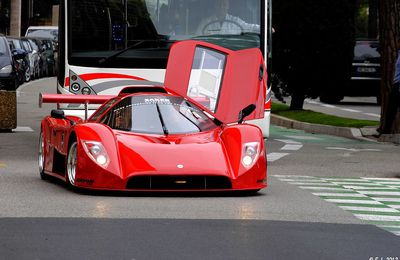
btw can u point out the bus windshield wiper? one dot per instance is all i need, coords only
(133, 46)
(104, 60)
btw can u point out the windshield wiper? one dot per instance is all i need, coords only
(104, 60)
(165, 130)
(133, 46)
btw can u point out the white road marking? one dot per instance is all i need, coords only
(23, 129)
(345, 179)
(353, 195)
(380, 179)
(377, 217)
(370, 209)
(387, 193)
(292, 147)
(383, 199)
(370, 199)
(353, 149)
(294, 176)
(303, 137)
(371, 114)
(355, 183)
(271, 157)
(367, 188)
(288, 141)
(315, 183)
(322, 188)
(346, 201)
(350, 110)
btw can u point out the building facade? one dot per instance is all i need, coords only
(17, 15)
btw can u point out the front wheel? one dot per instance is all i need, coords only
(41, 159)
(72, 159)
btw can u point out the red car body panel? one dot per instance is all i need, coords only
(145, 162)
(240, 84)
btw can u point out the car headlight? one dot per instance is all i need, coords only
(96, 152)
(250, 153)
(6, 69)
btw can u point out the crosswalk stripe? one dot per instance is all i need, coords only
(327, 184)
(379, 192)
(329, 194)
(369, 188)
(383, 199)
(344, 201)
(275, 156)
(379, 179)
(322, 188)
(308, 181)
(356, 183)
(377, 217)
(292, 147)
(376, 201)
(371, 209)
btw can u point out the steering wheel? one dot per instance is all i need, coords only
(237, 27)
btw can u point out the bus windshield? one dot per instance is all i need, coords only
(139, 33)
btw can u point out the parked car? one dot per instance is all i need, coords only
(8, 68)
(34, 58)
(48, 32)
(22, 64)
(366, 69)
(47, 56)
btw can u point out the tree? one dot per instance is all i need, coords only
(313, 47)
(389, 28)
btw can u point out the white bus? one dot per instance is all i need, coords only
(105, 45)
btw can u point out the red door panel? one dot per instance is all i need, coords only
(226, 80)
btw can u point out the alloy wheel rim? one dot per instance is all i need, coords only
(41, 154)
(71, 164)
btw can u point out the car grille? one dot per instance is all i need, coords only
(179, 182)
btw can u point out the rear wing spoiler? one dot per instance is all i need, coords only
(74, 99)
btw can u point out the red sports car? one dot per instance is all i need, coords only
(188, 135)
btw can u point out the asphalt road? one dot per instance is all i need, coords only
(294, 218)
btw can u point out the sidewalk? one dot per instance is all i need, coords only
(366, 133)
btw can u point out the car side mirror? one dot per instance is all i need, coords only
(58, 114)
(245, 112)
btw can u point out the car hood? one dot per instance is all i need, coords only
(174, 155)
(4, 60)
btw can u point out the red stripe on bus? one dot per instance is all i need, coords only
(91, 76)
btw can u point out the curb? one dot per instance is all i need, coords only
(347, 132)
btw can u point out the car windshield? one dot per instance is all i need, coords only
(157, 114)
(2, 47)
(367, 49)
(139, 33)
(43, 33)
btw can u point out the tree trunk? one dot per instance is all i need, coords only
(389, 26)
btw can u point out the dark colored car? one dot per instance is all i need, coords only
(8, 69)
(22, 64)
(47, 56)
(33, 57)
(366, 69)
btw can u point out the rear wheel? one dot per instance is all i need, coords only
(72, 159)
(41, 159)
